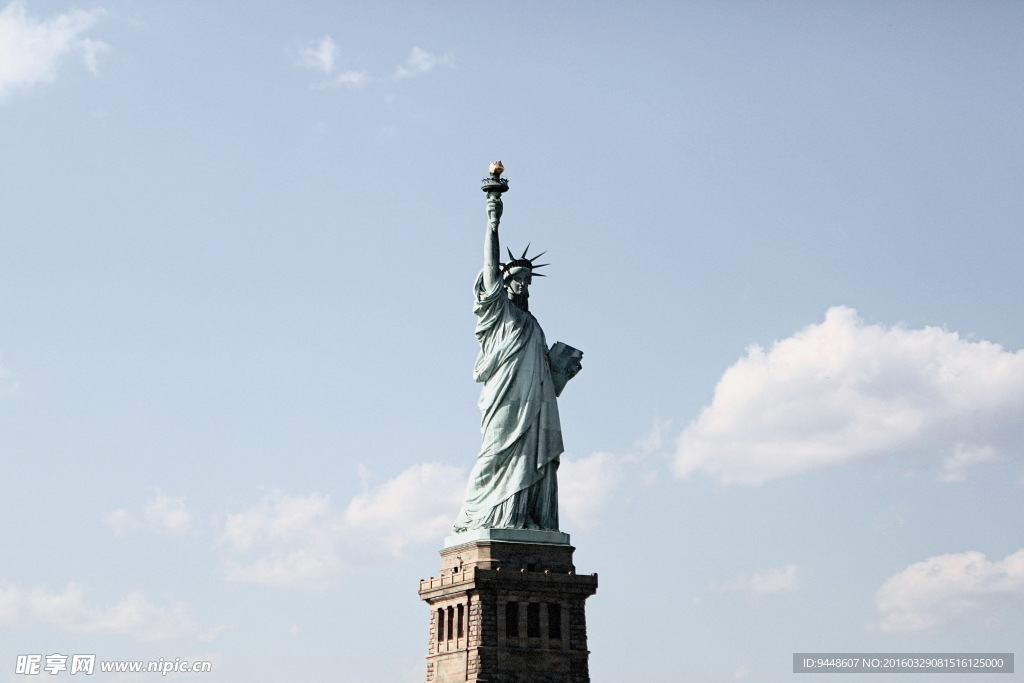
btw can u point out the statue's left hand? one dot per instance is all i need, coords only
(574, 368)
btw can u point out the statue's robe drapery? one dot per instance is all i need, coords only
(513, 484)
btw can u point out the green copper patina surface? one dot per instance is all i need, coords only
(513, 484)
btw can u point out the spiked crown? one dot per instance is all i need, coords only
(515, 264)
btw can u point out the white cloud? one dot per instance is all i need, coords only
(168, 513)
(121, 521)
(315, 566)
(161, 511)
(843, 390)
(956, 465)
(777, 580)
(31, 49)
(320, 55)
(91, 50)
(276, 518)
(936, 591)
(419, 62)
(654, 441)
(741, 672)
(420, 503)
(895, 517)
(295, 539)
(347, 79)
(585, 487)
(133, 615)
(7, 385)
(303, 540)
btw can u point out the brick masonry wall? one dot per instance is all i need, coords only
(484, 577)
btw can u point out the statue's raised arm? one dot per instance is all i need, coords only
(492, 248)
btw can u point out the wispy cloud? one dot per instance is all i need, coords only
(304, 540)
(133, 615)
(7, 385)
(653, 442)
(121, 521)
(420, 503)
(91, 51)
(776, 580)
(160, 511)
(284, 541)
(585, 487)
(940, 589)
(421, 61)
(843, 390)
(895, 517)
(168, 512)
(322, 55)
(355, 79)
(319, 55)
(964, 457)
(32, 49)
(346, 79)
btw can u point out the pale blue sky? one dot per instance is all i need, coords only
(236, 335)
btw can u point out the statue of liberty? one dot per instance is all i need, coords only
(513, 484)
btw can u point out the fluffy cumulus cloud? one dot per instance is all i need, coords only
(133, 615)
(32, 49)
(940, 589)
(775, 580)
(303, 540)
(843, 390)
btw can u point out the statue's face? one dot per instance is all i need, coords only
(519, 283)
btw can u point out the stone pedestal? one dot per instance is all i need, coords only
(508, 611)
